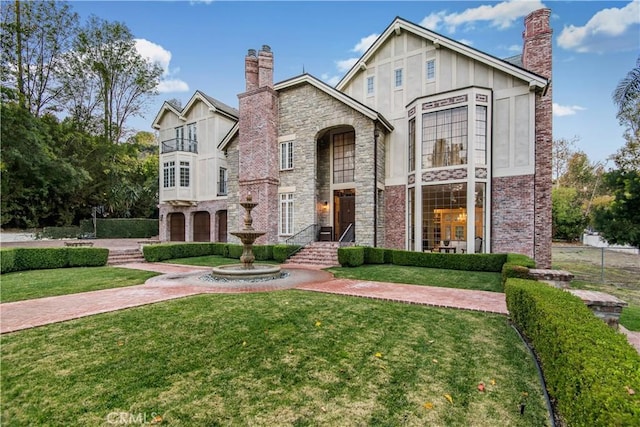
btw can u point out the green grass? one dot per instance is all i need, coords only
(484, 281)
(23, 285)
(210, 261)
(630, 318)
(280, 358)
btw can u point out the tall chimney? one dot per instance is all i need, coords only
(265, 67)
(251, 70)
(536, 57)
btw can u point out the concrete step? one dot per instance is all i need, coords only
(317, 253)
(124, 256)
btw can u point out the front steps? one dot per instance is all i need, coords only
(124, 256)
(317, 253)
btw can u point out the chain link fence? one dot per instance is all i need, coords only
(619, 266)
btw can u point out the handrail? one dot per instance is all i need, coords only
(179, 144)
(349, 235)
(303, 237)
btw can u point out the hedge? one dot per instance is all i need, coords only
(20, 259)
(374, 255)
(71, 231)
(122, 228)
(465, 262)
(591, 370)
(282, 252)
(164, 251)
(351, 256)
(517, 266)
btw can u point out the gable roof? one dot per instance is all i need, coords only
(213, 104)
(399, 24)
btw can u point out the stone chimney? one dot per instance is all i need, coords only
(265, 67)
(258, 150)
(251, 70)
(536, 57)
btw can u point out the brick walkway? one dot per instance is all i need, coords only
(181, 281)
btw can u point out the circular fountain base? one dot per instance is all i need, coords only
(240, 272)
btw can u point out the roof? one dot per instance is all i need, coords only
(399, 24)
(213, 104)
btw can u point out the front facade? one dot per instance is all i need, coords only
(426, 144)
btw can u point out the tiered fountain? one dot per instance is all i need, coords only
(247, 270)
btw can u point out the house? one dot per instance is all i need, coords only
(426, 144)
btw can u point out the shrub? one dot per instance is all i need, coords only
(263, 252)
(40, 258)
(87, 257)
(122, 227)
(7, 260)
(374, 255)
(281, 252)
(20, 259)
(59, 232)
(515, 271)
(522, 260)
(589, 368)
(465, 262)
(165, 251)
(234, 250)
(352, 256)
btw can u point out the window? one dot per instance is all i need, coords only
(184, 174)
(412, 145)
(398, 77)
(444, 216)
(370, 81)
(344, 157)
(431, 69)
(222, 182)
(169, 174)
(286, 155)
(180, 138)
(192, 138)
(444, 138)
(286, 214)
(481, 135)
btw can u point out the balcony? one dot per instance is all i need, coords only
(176, 144)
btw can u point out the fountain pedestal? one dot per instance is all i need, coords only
(247, 270)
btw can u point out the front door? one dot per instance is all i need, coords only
(176, 224)
(201, 227)
(344, 213)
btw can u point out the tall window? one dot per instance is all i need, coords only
(286, 214)
(286, 155)
(184, 174)
(444, 138)
(222, 182)
(481, 135)
(444, 216)
(479, 241)
(431, 69)
(180, 138)
(169, 174)
(344, 157)
(370, 82)
(398, 77)
(192, 138)
(412, 145)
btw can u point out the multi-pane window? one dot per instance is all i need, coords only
(344, 157)
(180, 138)
(370, 85)
(222, 182)
(444, 138)
(192, 138)
(431, 69)
(398, 77)
(169, 174)
(412, 145)
(286, 155)
(286, 214)
(481, 135)
(184, 174)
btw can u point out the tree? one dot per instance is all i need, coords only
(563, 149)
(568, 219)
(627, 97)
(104, 74)
(34, 35)
(619, 222)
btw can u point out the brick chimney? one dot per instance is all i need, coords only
(537, 57)
(258, 169)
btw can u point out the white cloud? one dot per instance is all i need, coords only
(200, 1)
(346, 64)
(515, 48)
(566, 110)
(467, 42)
(606, 30)
(501, 15)
(330, 80)
(159, 55)
(365, 43)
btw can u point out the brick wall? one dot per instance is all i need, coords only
(211, 206)
(537, 57)
(512, 200)
(395, 205)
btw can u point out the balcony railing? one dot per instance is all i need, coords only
(177, 144)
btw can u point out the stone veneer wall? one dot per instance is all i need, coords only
(306, 112)
(211, 206)
(536, 57)
(395, 205)
(512, 228)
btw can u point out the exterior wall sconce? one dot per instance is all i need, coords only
(325, 205)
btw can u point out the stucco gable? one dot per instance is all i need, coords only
(166, 108)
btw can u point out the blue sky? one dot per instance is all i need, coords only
(201, 46)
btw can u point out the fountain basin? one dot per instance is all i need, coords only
(241, 272)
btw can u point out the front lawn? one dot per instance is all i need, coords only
(477, 280)
(279, 358)
(23, 285)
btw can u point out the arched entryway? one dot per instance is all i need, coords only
(201, 227)
(222, 225)
(176, 227)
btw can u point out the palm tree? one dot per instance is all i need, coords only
(628, 90)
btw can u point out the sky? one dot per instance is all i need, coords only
(201, 45)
